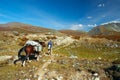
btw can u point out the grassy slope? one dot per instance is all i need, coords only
(64, 63)
(82, 51)
(90, 52)
(88, 58)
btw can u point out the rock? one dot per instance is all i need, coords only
(45, 69)
(83, 75)
(95, 74)
(53, 75)
(3, 58)
(95, 78)
(73, 57)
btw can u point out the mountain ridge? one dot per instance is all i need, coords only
(22, 27)
(109, 31)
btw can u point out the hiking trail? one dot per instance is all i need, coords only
(41, 71)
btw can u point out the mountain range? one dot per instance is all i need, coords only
(23, 28)
(109, 30)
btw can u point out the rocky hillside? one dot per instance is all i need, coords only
(109, 31)
(76, 34)
(12, 29)
(73, 32)
(85, 58)
(23, 28)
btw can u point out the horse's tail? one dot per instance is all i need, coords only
(19, 52)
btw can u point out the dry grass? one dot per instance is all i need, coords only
(90, 51)
(17, 72)
(63, 63)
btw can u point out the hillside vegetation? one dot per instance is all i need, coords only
(83, 58)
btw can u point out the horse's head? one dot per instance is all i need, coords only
(43, 44)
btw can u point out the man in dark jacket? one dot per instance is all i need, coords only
(50, 47)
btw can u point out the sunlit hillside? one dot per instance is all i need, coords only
(110, 31)
(72, 58)
(23, 28)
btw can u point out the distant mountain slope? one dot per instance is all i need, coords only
(24, 28)
(73, 32)
(109, 31)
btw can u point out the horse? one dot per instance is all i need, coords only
(29, 50)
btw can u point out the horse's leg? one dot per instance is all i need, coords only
(38, 58)
(37, 53)
(24, 60)
(23, 63)
(27, 55)
(27, 58)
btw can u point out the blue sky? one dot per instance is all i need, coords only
(60, 14)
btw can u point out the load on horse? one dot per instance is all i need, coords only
(31, 48)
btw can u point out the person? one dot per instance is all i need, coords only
(50, 47)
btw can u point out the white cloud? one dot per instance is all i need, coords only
(89, 17)
(114, 21)
(101, 5)
(92, 25)
(76, 27)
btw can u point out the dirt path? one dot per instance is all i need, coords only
(41, 71)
